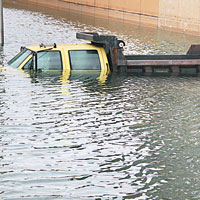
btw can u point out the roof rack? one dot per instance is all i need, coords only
(48, 45)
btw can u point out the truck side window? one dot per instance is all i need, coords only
(49, 60)
(29, 64)
(84, 60)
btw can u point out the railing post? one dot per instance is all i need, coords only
(1, 24)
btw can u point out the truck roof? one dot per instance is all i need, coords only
(54, 46)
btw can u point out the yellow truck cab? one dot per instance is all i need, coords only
(63, 57)
(99, 55)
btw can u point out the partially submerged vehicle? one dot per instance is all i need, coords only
(63, 57)
(104, 53)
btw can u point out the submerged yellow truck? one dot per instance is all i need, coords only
(66, 57)
(104, 53)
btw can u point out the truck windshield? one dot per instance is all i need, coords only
(84, 60)
(19, 58)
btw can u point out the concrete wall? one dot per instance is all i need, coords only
(178, 15)
(182, 15)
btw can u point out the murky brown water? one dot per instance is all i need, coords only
(78, 137)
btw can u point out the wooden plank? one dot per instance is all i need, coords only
(162, 57)
(191, 62)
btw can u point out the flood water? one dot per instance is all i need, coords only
(125, 136)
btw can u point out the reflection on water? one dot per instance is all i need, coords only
(66, 76)
(91, 136)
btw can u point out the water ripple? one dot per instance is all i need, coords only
(128, 137)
